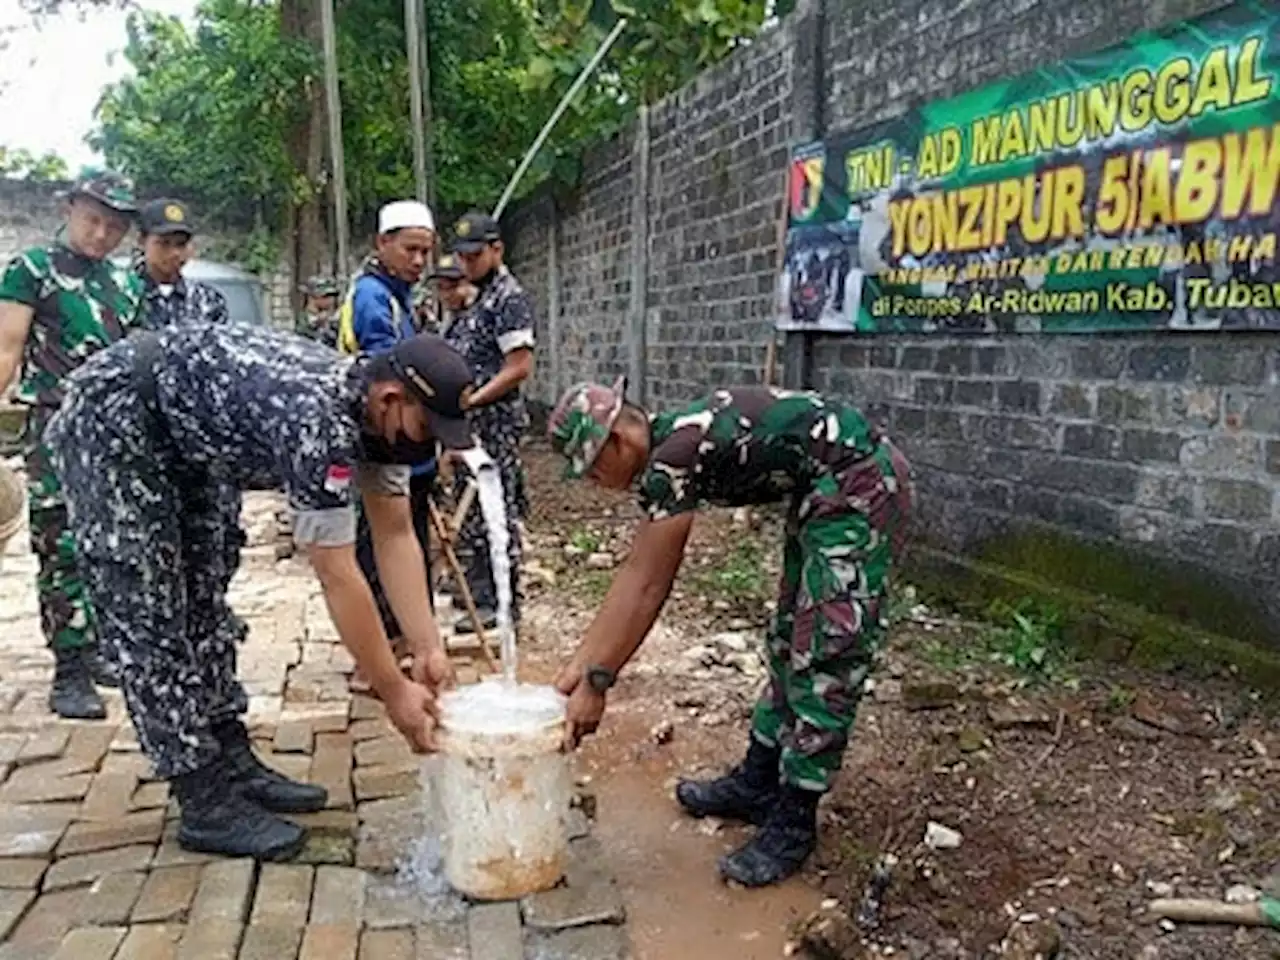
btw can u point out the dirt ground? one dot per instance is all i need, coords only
(1080, 791)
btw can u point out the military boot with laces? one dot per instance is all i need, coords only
(73, 695)
(216, 817)
(258, 782)
(782, 845)
(747, 793)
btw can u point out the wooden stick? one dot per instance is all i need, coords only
(438, 524)
(464, 506)
(1214, 911)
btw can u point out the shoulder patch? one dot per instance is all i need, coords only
(338, 478)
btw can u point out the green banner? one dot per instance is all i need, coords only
(1134, 189)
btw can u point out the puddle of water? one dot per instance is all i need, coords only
(494, 510)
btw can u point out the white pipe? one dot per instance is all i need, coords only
(559, 112)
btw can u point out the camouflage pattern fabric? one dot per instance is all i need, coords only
(144, 480)
(80, 305)
(850, 496)
(579, 426)
(500, 321)
(186, 301)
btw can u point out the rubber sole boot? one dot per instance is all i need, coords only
(268, 788)
(217, 818)
(782, 845)
(464, 625)
(73, 695)
(747, 794)
(105, 673)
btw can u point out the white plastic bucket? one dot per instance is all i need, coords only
(504, 789)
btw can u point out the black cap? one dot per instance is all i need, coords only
(440, 379)
(448, 268)
(165, 216)
(474, 232)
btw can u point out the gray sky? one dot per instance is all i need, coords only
(52, 73)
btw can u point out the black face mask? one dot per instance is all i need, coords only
(403, 451)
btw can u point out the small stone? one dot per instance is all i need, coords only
(1224, 801)
(1243, 893)
(601, 561)
(1159, 888)
(939, 837)
(735, 642)
(1131, 729)
(593, 900)
(662, 733)
(929, 695)
(1006, 716)
(1039, 940)
(971, 740)
(829, 935)
(887, 691)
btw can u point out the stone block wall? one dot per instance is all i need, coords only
(1168, 443)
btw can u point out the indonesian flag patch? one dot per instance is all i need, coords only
(338, 478)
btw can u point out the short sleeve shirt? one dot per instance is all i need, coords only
(81, 305)
(263, 408)
(747, 445)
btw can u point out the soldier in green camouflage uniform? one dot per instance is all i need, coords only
(59, 304)
(849, 495)
(319, 319)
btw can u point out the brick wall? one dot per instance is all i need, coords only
(31, 212)
(1167, 444)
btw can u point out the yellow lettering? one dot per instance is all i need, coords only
(1009, 200)
(986, 140)
(967, 237)
(946, 217)
(1070, 120)
(1103, 108)
(1250, 86)
(1042, 114)
(1068, 203)
(1135, 101)
(1172, 94)
(1035, 218)
(1197, 190)
(1013, 145)
(1213, 86)
(1113, 195)
(927, 162)
(1251, 169)
(898, 211)
(1156, 205)
(920, 230)
(952, 149)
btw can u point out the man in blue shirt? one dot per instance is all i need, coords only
(378, 316)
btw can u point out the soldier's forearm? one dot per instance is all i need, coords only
(404, 577)
(355, 614)
(516, 370)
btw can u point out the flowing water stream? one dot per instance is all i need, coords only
(493, 508)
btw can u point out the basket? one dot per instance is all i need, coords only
(12, 502)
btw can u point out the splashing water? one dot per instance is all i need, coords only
(494, 510)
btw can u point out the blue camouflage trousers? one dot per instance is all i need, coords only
(159, 542)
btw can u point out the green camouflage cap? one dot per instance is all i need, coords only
(322, 286)
(109, 188)
(580, 425)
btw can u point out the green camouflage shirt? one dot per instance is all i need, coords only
(81, 306)
(748, 445)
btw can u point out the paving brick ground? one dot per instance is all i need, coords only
(90, 869)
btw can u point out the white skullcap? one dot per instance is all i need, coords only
(400, 214)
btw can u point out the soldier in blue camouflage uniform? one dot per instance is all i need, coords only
(149, 432)
(59, 304)
(849, 492)
(496, 337)
(166, 235)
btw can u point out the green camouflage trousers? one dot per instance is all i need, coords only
(843, 539)
(65, 614)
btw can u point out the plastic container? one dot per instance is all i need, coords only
(504, 789)
(12, 502)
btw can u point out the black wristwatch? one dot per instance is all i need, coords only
(600, 678)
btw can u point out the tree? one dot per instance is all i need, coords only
(24, 164)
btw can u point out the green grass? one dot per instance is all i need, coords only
(739, 577)
(588, 541)
(1025, 637)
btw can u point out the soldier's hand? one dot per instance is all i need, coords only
(433, 669)
(582, 714)
(413, 711)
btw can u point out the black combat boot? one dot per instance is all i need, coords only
(782, 845)
(73, 696)
(747, 793)
(218, 818)
(105, 673)
(465, 625)
(259, 783)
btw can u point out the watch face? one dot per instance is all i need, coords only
(600, 679)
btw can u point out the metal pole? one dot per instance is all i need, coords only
(333, 106)
(559, 112)
(413, 43)
(427, 118)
